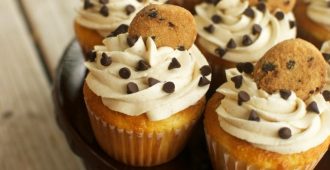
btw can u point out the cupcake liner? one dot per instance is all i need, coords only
(222, 160)
(139, 148)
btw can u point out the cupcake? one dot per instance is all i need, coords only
(143, 95)
(313, 20)
(232, 32)
(283, 124)
(97, 19)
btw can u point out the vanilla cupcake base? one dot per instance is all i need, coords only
(136, 141)
(139, 148)
(229, 152)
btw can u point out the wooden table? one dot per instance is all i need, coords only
(33, 35)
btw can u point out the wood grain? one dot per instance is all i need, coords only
(52, 26)
(29, 136)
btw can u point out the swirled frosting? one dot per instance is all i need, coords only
(106, 82)
(308, 128)
(319, 11)
(91, 17)
(235, 24)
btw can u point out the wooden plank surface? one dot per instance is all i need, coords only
(52, 26)
(29, 136)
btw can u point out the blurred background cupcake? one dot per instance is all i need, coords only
(232, 32)
(145, 93)
(188, 4)
(97, 19)
(280, 125)
(313, 20)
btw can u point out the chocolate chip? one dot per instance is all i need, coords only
(124, 73)
(292, 24)
(284, 133)
(170, 24)
(132, 88)
(249, 12)
(174, 64)
(181, 48)
(246, 40)
(88, 4)
(290, 64)
(256, 29)
(220, 51)
(268, 67)
(152, 81)
(231, 44)
(90, 56)
(328, 4)
(169, 87)
(203, 81)
(123, 28)
(104, 11)
(209, 29)
(238, 80)
(205, 70)
(261, 6)
(243, 97)
(129, 9)
(104, 1)
(313, 107)
(216, 18)
(131, 40)
(285, 94)
(105, 60)
(153, 37)
(279, 15)
(142, 66)
(326, 57)
(153, 13)
(214, 2)
(245, 67)
(326, 95)
(254, 116)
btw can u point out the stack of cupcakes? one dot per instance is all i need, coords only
(145, 88)
(275, 117)
(232, 31)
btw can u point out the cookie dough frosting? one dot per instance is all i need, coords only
(238, 33)
(135, 77)
(319, 11)
(106, 15)
(279, 122)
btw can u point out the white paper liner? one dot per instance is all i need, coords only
(139, 148)
(221, 160)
